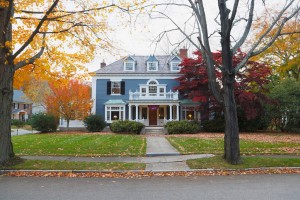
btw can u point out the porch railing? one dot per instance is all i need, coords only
(161, 96)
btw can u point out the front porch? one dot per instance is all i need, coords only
(153, 114)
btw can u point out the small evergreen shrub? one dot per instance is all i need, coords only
(43, 122)
(94, 123)
(215, 125)
(126, 126)
(17, 123)
(182, 127)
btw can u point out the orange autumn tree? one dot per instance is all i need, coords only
(71, 100)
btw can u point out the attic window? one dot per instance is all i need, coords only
(152, 66)
(129, 66)
(175, 66)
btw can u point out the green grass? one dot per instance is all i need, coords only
(65, 165)
(79, 145)
(218, 162)
(190, 145)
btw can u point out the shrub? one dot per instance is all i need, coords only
(126, 126)
(182, 127)
(43, 122)
(17, 123)
(94, 123)
(215, 125)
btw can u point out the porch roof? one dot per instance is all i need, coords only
(188, 102)
(115, 102)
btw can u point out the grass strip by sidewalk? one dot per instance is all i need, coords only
(218, 162)
(193, 145)
(66, 165)
(79, 145)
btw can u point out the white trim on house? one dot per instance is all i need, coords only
(94, 86)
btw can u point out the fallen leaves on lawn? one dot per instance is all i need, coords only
(260, 137)
(153, 174)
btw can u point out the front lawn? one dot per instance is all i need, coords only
(79, 145)
(65, 165)
(249, 144)
(218, 162)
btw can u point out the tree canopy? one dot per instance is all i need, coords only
(249, 91)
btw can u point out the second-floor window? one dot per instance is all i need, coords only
(115, 87)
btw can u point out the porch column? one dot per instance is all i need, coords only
(129, 112)
(105, 114)
(136, 112)
(171, 112)
(177, 112)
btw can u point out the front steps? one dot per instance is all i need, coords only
(154, 130)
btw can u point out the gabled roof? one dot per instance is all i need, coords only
(152, 59)
(20, 97)
(129, 58)
(117, 67)
(175, 58)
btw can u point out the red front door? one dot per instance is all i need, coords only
(152, 117)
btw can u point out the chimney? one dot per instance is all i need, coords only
(103, 64)
(183, 53)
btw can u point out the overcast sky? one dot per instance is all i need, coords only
(138, 37)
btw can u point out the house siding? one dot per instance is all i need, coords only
(130, 84)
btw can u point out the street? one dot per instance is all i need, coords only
(239, 187)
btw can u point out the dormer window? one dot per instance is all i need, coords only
(175, 66)
(152, 66)
(152, 63)
(129, 64)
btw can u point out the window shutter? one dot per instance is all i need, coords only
(122, 87)
(108, 87)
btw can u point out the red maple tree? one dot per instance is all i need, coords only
(249, 85)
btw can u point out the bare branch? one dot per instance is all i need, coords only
(251, 52)
(247, 29)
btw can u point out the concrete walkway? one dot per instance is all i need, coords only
(160, 146)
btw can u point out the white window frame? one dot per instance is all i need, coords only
(155, 65)
(114, 108)
(129, 62)
(112, 87)
(175, 64)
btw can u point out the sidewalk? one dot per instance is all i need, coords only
(22, 132)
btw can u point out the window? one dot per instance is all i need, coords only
(152, 88)
(175, 66)
(143, 91)
(152, 66)
(114, 113)
(115, 88)
(144, 113)
(161, 91)
(129, 66)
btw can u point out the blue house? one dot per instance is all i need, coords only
(140, 88)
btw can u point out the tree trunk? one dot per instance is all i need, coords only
(6, 102)
(6, 82)
(231, 138)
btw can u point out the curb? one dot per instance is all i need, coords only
(148, 173)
